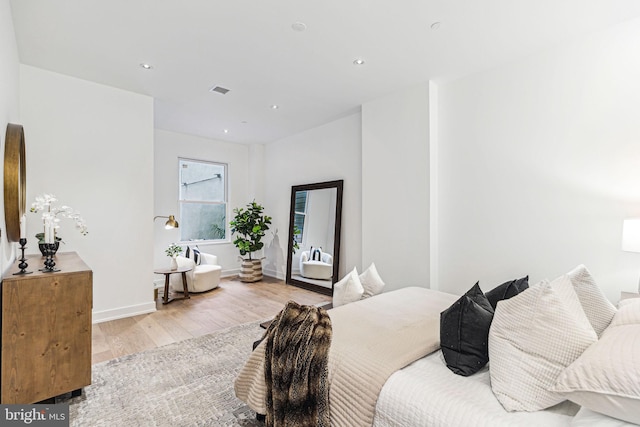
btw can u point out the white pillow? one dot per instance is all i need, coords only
(347, 290)
(606, 377)
(596, 306)
(533, 337)
(371, 282)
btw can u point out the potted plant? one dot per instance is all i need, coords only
(295, 245)
(173, 251)
(51, 215)
(250, 225)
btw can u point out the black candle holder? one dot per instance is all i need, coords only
(23, 261)
(49, 263)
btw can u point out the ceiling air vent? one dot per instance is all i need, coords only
(219, 89)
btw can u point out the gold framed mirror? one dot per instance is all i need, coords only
(15, 180)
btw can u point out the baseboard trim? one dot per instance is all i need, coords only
(230, 273)
(122, 312)
(273, 273)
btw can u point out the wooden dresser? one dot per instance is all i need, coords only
(46, 330)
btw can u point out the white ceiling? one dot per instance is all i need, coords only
(249, 47)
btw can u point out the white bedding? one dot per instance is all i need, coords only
(372, 339)
(587, 418)
(427, 394)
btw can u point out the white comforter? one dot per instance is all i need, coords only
(427, 394)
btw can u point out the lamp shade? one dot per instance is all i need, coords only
(631, 235)
(172, 223)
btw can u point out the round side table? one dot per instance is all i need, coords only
(167, 272)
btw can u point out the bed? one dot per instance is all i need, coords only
(427, 393)
(386, 369)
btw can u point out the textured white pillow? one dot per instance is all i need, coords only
(596, 306)
(347, 290)
(371, 282)
(533, 337)
(606, 377)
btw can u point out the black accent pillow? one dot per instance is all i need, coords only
(196, 256)
(507, 290)
(315, 254)
(464, 332)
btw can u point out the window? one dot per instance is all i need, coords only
(300, 213)
(203, 200)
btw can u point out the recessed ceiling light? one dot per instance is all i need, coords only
(299, 26)
(146, 66)
(435, 25)
(226, 131)
(275, 107)
(358, 61)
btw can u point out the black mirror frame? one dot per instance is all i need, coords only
(338, 184)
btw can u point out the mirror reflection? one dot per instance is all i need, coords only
(314, 234)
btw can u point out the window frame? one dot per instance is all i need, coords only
(227, 232)
(303, 235)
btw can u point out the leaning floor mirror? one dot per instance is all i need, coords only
(314, 235)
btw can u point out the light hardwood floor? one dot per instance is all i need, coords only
(232, 303)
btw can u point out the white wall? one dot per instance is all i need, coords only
(434, 196)
(9, 109)
(325, 153)
(395, 187)
(169, 146)
(92, 146)
(539, 166)
(256, 172)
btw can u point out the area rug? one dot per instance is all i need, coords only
(188, 383)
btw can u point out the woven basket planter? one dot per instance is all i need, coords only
(251, 270)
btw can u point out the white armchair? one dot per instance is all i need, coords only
(322, 269)
(201, 277)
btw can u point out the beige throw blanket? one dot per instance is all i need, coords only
(371, 339)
